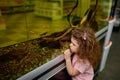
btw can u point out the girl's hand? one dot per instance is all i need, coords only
(67, 54)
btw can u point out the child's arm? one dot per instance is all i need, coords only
(71, 70)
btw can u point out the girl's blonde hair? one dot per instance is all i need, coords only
(89, 47)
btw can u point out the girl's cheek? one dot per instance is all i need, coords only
(74, 49)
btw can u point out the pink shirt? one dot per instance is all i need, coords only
(85, 69)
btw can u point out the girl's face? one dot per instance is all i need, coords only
(74, 47)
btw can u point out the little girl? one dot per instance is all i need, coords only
(84, 54)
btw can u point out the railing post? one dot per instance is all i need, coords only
(110, 28)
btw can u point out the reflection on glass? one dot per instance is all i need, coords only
(62, 75)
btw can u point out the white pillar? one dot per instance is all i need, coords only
(107, 44)
(109, 32)
(104, 56)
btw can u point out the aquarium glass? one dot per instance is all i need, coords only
(32, 31)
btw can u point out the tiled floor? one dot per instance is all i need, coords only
(112, 68)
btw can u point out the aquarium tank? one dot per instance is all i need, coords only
(33, 32)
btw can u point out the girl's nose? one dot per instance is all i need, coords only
(70, 44)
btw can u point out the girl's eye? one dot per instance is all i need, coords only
(73, 44)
